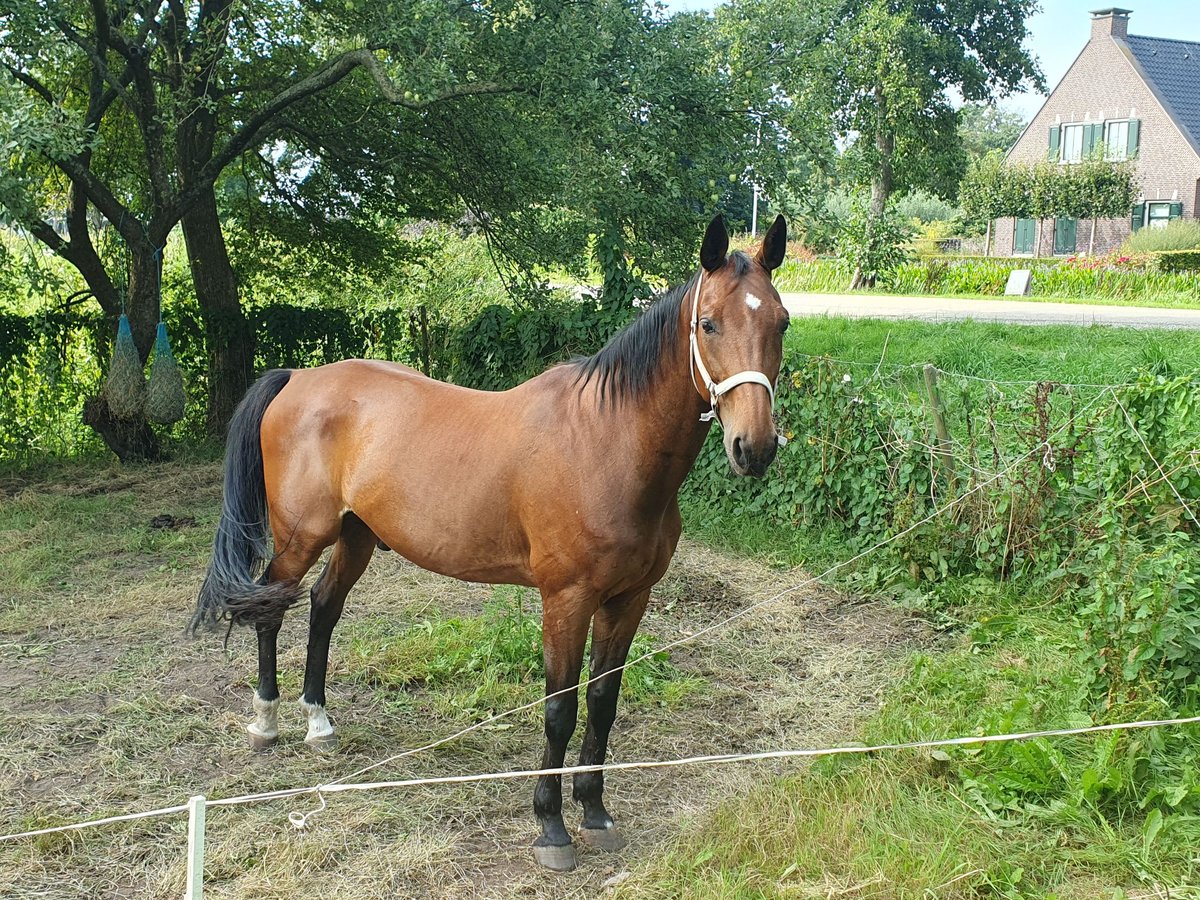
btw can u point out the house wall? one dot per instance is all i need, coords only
(1105, 83)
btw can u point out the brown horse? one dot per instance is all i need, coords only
(567, 483)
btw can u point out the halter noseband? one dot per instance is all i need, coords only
(717, 389)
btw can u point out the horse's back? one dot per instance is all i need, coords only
(432, 468)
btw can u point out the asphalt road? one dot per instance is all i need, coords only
(1019, 312)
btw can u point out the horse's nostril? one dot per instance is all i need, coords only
(739, 452)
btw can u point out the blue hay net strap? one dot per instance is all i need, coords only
(123, 331)
(162, 346)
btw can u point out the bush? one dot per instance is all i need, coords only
(1177, 261)
(1180, 234)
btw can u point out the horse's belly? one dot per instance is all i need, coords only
(473, 543)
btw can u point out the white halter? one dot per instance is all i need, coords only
(717, 389)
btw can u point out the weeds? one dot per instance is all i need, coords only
(490, 663)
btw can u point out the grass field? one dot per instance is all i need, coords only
(1053, 818)
(108, 708)
(1069, 354)
(1130, 289)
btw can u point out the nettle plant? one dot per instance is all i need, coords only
(1141, 571)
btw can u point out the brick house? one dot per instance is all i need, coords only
(1136, 97)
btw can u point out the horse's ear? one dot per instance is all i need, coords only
(716, 245)
(774, 245)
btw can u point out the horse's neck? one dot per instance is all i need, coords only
(670, 425)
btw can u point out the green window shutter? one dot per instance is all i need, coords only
(1138, 218)
(1089, 140)
(1064, 235)
(1177, 210)
(1055, 132)
(1132, 146)
(1023, 236)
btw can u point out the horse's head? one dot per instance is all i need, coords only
(737, 330)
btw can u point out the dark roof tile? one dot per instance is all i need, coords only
(1173, 69)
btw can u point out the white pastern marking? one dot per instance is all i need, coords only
(266, 722)
(752, 301)
(318, 722)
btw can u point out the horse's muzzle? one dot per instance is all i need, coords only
(752, 458)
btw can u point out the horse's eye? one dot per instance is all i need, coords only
(708, 326)
(784, 326)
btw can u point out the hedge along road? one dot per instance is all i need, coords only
(1016, 312)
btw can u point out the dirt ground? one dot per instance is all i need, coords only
(106, 708)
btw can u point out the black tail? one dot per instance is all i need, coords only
(235, 587)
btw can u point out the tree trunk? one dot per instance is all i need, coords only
(881, 184)
(143, 304)
(131, 440)
(228, 336)
(1037, 241)
(987, 241)
(1092, 239)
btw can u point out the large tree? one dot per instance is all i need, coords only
(986, 127)
(135, 111)
(893, 69)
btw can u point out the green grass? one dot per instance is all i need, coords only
(1046, 818)
(1080, 817)
(1066, 353)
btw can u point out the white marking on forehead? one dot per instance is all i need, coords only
(752, 301)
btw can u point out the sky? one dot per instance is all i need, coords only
(1058, 33)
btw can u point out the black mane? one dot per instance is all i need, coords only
(627, 366)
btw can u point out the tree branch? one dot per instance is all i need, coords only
(324, 77)
(33, 84)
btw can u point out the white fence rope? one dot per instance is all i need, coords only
(711, 759)
(903, 367)
(300, 819)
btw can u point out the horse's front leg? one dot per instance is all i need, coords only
(615, 625)
(565, 620)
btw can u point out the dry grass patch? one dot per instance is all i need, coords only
(110, 709)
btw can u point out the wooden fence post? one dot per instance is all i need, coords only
(944, 452)
(195, 863)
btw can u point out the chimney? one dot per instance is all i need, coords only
(1112, 22)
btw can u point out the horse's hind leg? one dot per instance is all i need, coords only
(349, 560)
(614, 626)
(264, 730)
(290, 564)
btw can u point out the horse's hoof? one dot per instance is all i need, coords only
(323, 743)
(556, 859)
(260, 743)
(607, 839)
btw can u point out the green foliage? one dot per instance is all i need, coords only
(1094, 188)
(1092, 614)
(1111, 278)
(1142, 573)
(1179, 234)
(874, 245)
(990, 188)
(1177, 261)
(985, 129)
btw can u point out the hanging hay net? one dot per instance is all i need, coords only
(165, 397)
(125, 389)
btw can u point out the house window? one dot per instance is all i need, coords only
(1116, 140)
(1072, 143)
(1155, 213)
(1158, 215)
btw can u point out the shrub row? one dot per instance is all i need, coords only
(1173, 275)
